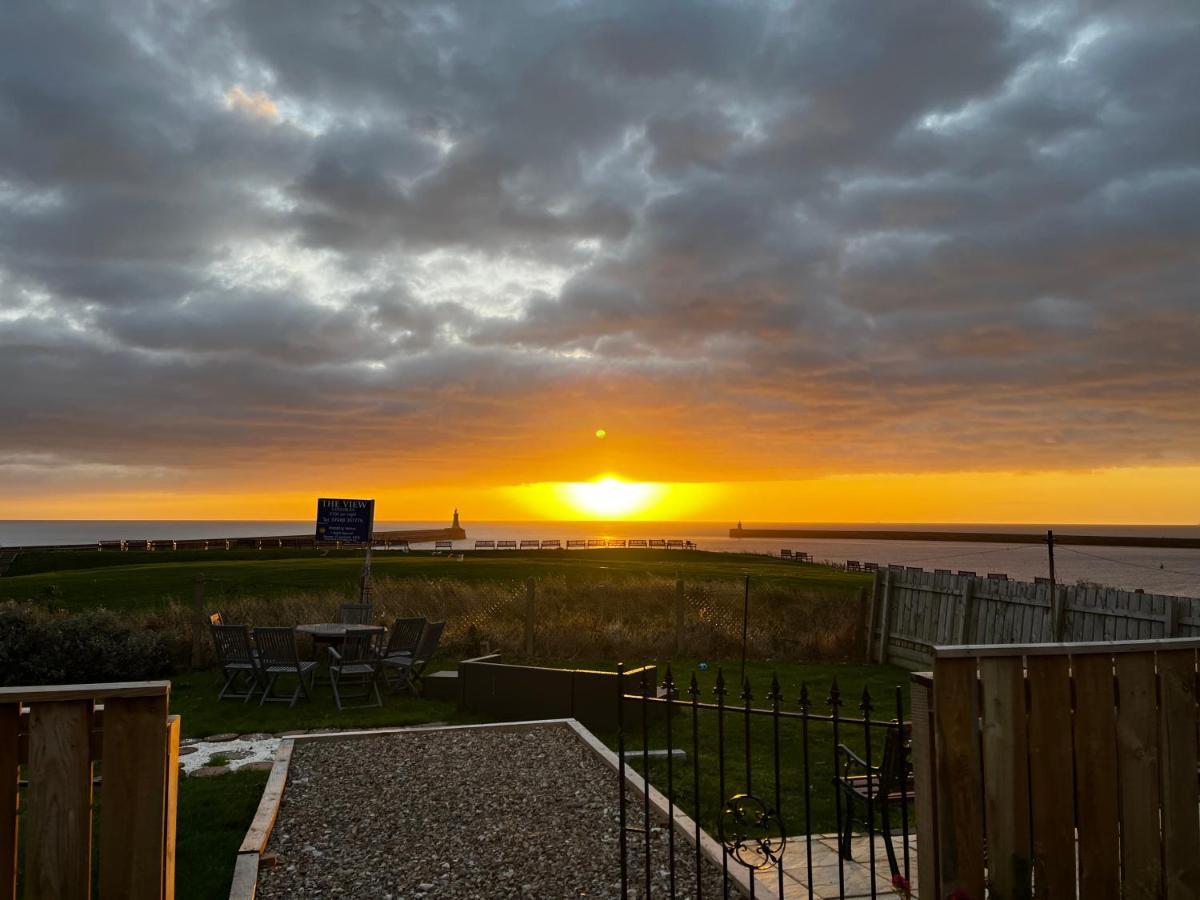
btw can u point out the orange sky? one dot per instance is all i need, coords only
(1166, 495)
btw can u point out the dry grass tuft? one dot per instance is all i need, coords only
(632, 616)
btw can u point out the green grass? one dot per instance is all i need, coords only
(194, 699)
(213, 816)
(158, 577)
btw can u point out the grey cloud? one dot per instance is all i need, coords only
(968, 228)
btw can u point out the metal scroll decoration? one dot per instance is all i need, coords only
(752, 832)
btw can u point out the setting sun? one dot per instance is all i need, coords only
(610, 497)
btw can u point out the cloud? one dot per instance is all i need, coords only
(762, 241)
(256, 104)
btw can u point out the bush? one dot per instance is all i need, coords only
(40, 647)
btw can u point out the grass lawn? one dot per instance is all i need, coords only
(194, 698)
(213, 816)
(148, 580)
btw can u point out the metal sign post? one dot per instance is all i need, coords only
(349, 522)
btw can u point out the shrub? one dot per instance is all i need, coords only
(41, 647)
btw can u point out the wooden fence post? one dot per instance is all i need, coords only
(873, 613)
(529, 598)
(1058, 614)
(924, 762)
(199, 620)
(966, 609)
(885, 616)
(1171, 618)
(679, 605)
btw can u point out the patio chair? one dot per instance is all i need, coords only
(891, 787)
(277, 655)
(356, 613)
(355, 664)
(405, 671)
(235, 654)
(402, 643)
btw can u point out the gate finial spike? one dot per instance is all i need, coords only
(774, 694)
(866, 706)
(669, 682)
(834, 700)
(694, 688)
(719, 690)
(805, 703)
(746, 693)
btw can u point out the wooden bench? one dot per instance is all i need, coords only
(870, 567)
(785, 553)
(637, 542)
(675, 545)
(616, 542)
(506, 545)
(574, 545)
(485, 545)
(592, 542)
(658, 545)
(551, 545)
(531, 545)
(853, 565)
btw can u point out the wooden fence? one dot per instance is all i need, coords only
(57, 736)
(1059, 771)
(914, 610)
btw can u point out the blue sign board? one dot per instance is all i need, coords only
(349, 521)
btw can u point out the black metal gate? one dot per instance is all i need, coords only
(762, 801)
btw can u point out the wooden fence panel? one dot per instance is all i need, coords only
(1181, 828)
(59, 827)
(1095, 766)
(960, 789)
(10, 721)
(1005, 777)
(1051, 770)
(133, 804)
(1137, 768)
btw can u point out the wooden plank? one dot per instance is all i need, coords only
(1081, 648)
(171, 737)
(965, 610)
(31, 695)
(959, 779)
(1137, 767)
(1051, 773)
(10, 723)
(885, 625)
(1181, 828)
(58, 836)
(259, 832)
(133, 798)
(1006, 778)
(1095, 766)
(245, 877)
(924, 776)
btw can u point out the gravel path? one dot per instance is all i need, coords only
(454, 814)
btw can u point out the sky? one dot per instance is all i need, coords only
(830, 260)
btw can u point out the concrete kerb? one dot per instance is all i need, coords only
(245, 875)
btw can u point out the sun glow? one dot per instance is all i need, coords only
(609, 497)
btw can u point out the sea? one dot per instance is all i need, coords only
(1154, 570)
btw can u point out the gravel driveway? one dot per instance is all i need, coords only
(457, 813)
